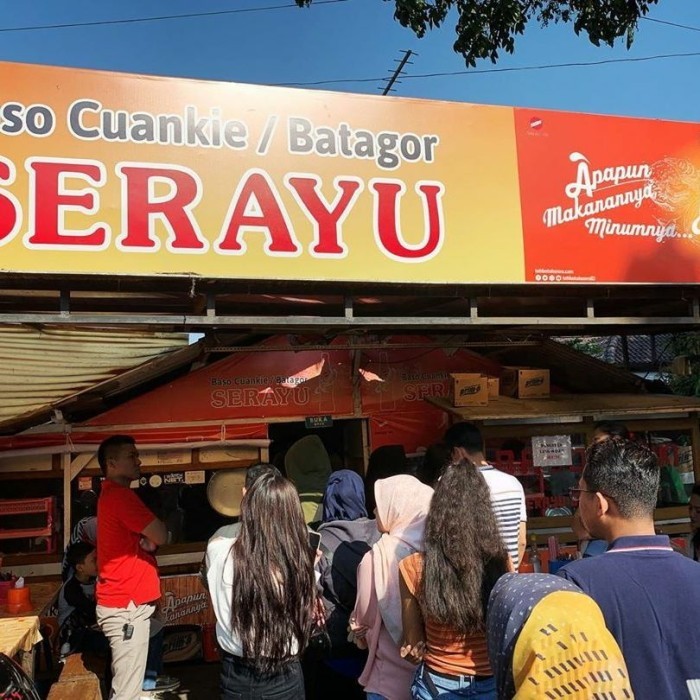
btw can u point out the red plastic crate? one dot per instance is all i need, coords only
(29, 506)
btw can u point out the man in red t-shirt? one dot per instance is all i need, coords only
(128, 585)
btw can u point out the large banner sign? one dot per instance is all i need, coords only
(115, 174)
(120, 174)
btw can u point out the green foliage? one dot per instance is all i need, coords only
(486, 27)
(686, 344)
(587, 346)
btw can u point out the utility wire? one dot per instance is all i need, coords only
(163, 17)
(671, 24)
(498, 70)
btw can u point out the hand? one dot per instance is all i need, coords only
(147, 545)
(414, 653)
(357, 639)
(357, 635)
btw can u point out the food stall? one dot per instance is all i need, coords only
(314, 227)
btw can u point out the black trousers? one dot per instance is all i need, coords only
(239, 681)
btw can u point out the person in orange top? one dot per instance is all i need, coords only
(445, 591)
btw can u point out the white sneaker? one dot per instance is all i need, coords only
(164, 684)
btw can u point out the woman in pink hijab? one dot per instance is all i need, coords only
(402, 506)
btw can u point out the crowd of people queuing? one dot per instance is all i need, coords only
(403, 586)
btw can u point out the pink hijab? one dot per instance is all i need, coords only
(402, 507)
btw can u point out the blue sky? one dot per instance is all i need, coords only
(360, 39)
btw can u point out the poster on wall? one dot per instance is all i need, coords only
(551, 451)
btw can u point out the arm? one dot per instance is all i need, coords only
(74, 595)
(136, 517)
(365, 610)
(156, 532)
(413, 646)
(522, 540)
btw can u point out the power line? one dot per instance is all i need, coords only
(163, 17)
(498, 70)
(671, 24)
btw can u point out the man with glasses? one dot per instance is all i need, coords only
(648, 593)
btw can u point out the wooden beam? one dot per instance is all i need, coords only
(314, 322)
(67, 505)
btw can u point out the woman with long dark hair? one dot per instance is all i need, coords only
(446, 589)
(263, 593)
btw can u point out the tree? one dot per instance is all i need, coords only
(485, 27)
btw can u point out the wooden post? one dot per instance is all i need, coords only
(365, 446)
(65, 466)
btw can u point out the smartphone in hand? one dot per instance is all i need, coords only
(314, 540)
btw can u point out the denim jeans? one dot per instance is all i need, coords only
(428, 686)
(154, 660)
(239, 681)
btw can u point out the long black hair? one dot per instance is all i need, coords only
(273, 578)
(464, 552)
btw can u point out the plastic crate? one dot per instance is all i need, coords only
(17, 509)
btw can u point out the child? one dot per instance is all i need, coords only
(77, 620)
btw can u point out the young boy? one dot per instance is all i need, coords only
(77, 619)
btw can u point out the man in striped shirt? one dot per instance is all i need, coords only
(507, 495)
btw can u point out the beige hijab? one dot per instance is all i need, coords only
(402, 507)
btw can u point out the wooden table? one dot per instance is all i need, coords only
(19, 633)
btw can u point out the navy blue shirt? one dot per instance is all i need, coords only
(650, 598)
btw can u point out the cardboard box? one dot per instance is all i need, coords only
(525, 383)
(494, 387)
(469, 390)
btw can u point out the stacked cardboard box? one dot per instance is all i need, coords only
(473, 389)
(525, 383)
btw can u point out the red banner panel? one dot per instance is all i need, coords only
(248, 385)
(399, 379)
(608, 199)
(412, 429)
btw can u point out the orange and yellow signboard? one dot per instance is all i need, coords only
(126, 174)
(120, 174)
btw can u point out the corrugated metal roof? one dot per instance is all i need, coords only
(41, 366)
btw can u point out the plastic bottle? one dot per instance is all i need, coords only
(534, 555)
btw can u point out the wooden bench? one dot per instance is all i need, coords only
(80, 678)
